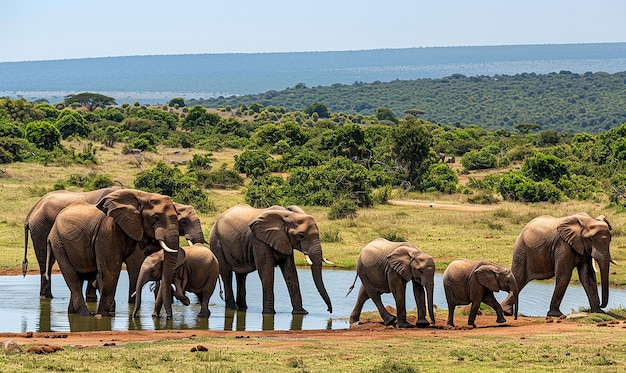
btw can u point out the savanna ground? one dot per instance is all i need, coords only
(444, 226)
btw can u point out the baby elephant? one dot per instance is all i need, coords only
(197, 273)
(467, 281)
(386, 267)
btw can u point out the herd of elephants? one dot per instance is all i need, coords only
(90, 235)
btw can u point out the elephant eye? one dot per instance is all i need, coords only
(300, 236)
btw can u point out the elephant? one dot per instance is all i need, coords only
(552, 247)
(245, 239)
(474, 282)
(39, 221)
(92, 241)
(41, 216)
(386, 267)
(198, 274)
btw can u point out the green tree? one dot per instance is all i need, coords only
(544, 167)
(441, 178)
(319, 108)
(386, 114)
(43, 134)
(412, 145)
(177, 102)
(525, 128)
(89, 100)
(254, 163)
(198, 118)
(71, 123)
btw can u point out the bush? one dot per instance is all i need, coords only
(341, 209)
(441, 178)
(479, 160)
(265, 191)
(44, 135)
(254, 163)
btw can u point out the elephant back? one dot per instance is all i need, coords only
(78, 221)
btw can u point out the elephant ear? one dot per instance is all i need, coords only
(180, 259)
(124, 206)
(570, 231)
(604, 219)
(400, 260)
(271, 228)
(486, 275)
(295, 208)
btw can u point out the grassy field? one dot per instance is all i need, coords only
(444, 233)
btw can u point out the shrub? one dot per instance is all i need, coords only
(265, 191)
(479, 160)
(43, 134)
(341, 209)
(254, 163)
(442, 178)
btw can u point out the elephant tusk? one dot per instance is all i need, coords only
(614, 262)
(328, 261)
(165, 248)
(595, 266)
(189, 242)
(133, 294)
(308, 260)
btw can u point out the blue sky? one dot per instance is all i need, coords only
(48, 30)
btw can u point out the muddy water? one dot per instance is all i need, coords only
(22, 310)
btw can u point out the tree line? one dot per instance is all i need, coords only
(564, 101)
(342, 160)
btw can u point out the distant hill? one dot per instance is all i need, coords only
(564, 101)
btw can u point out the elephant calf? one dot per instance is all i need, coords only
(386, 267)
(473, 282)
(197, 271)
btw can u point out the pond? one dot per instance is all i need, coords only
(22, 310)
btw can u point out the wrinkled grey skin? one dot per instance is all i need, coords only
(386, 267)
(197, 274)
(552, 247)
(474, 282)
(90, 240)
(245, 239)
(40, 219)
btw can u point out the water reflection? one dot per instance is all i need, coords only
(22, 310)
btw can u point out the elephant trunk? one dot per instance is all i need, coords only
(604, 280)
(141, 281)
(515, 292)
(316, 271)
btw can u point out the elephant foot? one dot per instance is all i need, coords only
(185, 301)
(156, 315)
(500, 320)
(389, 321)
(300, 311)
(83, 311)
(597, 310)
(269, 311)
(422, 324)
(404, 325)
(204, 315)
(555, 313)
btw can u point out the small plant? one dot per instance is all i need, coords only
(332, 236)
(341, 209)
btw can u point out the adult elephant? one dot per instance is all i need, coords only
(552, 247)
(245, 239)
(39, 221)
(90, 240)
(474, 282)
(197, 273)
(386, 267)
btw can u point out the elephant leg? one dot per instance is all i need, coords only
(358, 307)
(204, 302)
(518, 268)
(420, 301)
(107, 283)
(290, 274)
(562, 277)
(588, 279)
(91, 294)
(45, 288)
(451, 305)
(490, 300)
(242, 305)
(471, 320)
(229, 297)
(388, 319)
(399, 294)
(267, 285)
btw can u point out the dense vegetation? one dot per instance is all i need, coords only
(565, 101)
(316, 157)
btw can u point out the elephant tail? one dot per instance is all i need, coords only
(352, 287)
(25, 261)
(219, 281)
